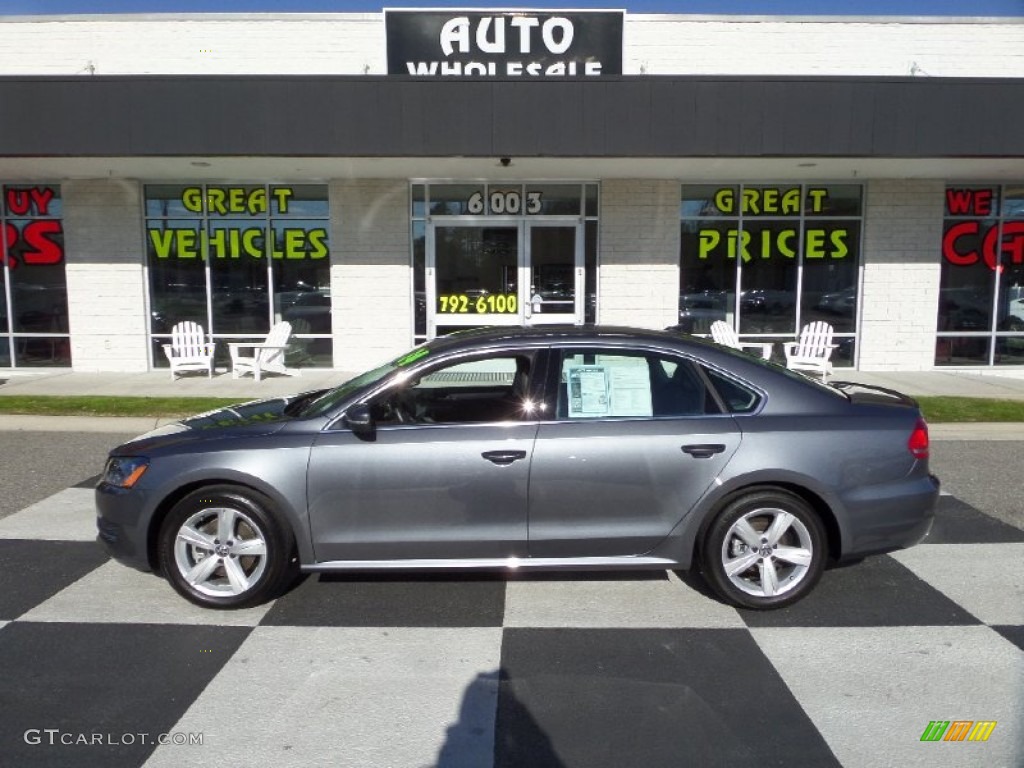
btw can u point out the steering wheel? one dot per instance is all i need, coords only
(403, 407)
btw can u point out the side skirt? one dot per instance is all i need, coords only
(498, 564)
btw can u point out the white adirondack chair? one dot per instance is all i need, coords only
(189, 350)
(812, 351)
(724, 334)
(262, 357)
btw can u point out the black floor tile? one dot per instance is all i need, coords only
(876, 592)
(124, 684)
(652, 697)
(431, 600)
(960, 523)
(34, 571)
(1015, 634)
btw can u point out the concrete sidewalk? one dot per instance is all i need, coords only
(159, 384)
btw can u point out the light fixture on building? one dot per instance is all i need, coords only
(505, 162)
(199, 164)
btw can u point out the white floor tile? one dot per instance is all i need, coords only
(69, 515)
(625, 602)
(985, 579)
(872, 691)
(115, 593)
(349, 697)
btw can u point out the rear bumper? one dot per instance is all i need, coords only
(890, 517)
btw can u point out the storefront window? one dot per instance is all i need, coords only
(770, 258)
(34, 300)
(981, 291)
(237, 259)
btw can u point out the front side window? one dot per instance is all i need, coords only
(981, 289)
(771, 258)
(607, 383)
(33, 284)
(486, 389)
(239, 258)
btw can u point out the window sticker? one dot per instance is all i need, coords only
(614, 386)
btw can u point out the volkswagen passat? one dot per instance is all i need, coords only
(558, 448)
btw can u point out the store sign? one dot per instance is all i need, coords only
(504, 43)
(825, 241)
(238, 241)
(35, 241)
(968, 242)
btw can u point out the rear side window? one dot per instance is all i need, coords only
(609, 383)
(737, 398)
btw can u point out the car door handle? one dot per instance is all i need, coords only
(503, 457)
(704, 450)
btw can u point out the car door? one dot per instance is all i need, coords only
(637, 439)
(442, 475)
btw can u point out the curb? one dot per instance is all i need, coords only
(99, 424)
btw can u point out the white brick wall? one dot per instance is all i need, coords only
(888, 46)
(639, 247)
(354, 44)
(899, 299)
(106, 285)
(370, 272)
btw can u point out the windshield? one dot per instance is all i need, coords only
(329, 399)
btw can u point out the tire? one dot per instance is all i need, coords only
(741, 551)
(250, 567)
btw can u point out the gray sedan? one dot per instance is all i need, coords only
(556, 448)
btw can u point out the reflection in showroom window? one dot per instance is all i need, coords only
(980, 317)
(33, 286)
(769, 259)
(238, 259)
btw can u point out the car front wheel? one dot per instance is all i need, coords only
(222, 547)
(765, 549)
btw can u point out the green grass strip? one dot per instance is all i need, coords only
(105, 405)
(950, 410)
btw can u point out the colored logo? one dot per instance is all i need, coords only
(958, 730)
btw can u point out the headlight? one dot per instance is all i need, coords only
(124, 471)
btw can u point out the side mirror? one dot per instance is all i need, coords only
(359, 419)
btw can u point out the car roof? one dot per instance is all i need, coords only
(552, 333)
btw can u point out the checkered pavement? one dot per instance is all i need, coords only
(527, 670)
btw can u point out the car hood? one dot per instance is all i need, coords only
(254, 418)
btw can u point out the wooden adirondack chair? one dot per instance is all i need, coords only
(812, 351)
(265, 357)
(724, 334)
(189, 350)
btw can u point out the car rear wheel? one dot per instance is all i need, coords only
(222, 547)
(765, 549)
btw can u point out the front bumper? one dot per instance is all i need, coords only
(121, 526)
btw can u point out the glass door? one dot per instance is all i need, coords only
(554, 273)
(473, 275)
(503, 273)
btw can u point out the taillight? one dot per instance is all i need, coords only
(918, 442)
